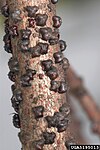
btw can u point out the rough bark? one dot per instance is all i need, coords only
(32, 127)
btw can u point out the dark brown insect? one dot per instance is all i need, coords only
(44, 47)
(15, 15)
(24, 45)
(54, 86)
(52, 73)
(26, 78)
(64, 109)
(57, 21)
(53, 40)
(58, 57)
(16, 99)
(8, 48)
(25, 33)
(38, 111)
(55, 37)
(7, 39)
(35, 51)
(5, 10)
(46, 64)
(49, 137)
(16, 120)
(51, 121)
(13, 65)
(31, 73)
(54, 1)
(62, 125)
(58, 120)
(38, 144)
(65, 63)
(12, 76)
(62, 45)
(6, 22)
(61, 121)
(31, 10)
(46, 33)
(41, 19)
(13, 88)
(63, 87)
(31, 22)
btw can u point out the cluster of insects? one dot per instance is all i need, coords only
(50, 37)
(12, 32)
(26, 78)
(47, 138)
(59, 119)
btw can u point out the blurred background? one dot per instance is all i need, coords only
(81, 31)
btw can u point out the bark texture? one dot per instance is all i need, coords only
(34, 126)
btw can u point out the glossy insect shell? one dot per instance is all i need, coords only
(49, 137)
(25, 81)
(30, 73)
(65, 109)
(47, 64)
(54, 1)
(25, 33)
(58, 120)
(52, 73)
(38, 111)
(63, 87)
(31, 10)
(53, 41)
(35, 51)
(62, 45)
(46, 33)
(16, 120)
(16, 99)
(13, 87)
(27, 77)
(57, 21)
(8, 48)
(61, 121)
(51, 121)
(24, 45)
(44, 48)
(58, 57)
(12, 76)
(62, 126)
(5, 10)
(54, 85)
(41, 19)
(7, 39)
(13, 65)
